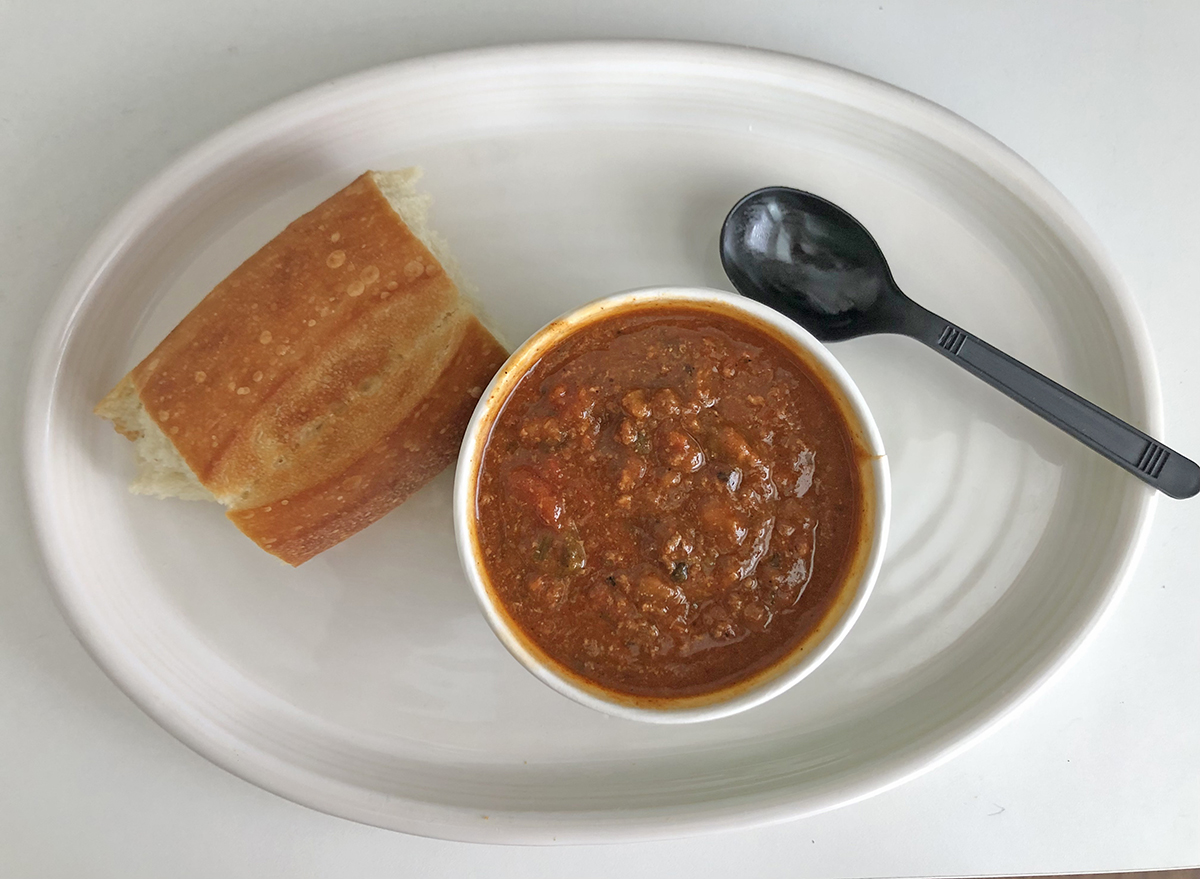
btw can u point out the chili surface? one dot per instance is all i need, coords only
(668, 502)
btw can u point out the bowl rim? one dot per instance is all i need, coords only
(797, 663)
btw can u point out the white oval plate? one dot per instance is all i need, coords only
(367, 684)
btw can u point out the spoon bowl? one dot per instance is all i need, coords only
(807, 258)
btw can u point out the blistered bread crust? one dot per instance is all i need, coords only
(323, 381)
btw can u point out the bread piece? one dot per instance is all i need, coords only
(325, 380)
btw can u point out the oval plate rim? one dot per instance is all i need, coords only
(117, 234)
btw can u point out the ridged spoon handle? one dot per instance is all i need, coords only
(1124, 445)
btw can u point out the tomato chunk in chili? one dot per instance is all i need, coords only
(668, 501)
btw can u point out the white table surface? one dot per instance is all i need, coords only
(1102, 770)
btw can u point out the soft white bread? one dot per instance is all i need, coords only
(326, 379)
(162, 472)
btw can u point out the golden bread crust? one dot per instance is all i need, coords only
(307, 360)
(115, 407)
(416, 450)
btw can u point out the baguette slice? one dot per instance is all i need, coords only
(324, 381)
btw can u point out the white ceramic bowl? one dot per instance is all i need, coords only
(803, 659)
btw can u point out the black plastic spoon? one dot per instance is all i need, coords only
(809, 259)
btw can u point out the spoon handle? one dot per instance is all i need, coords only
(1123, 444)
